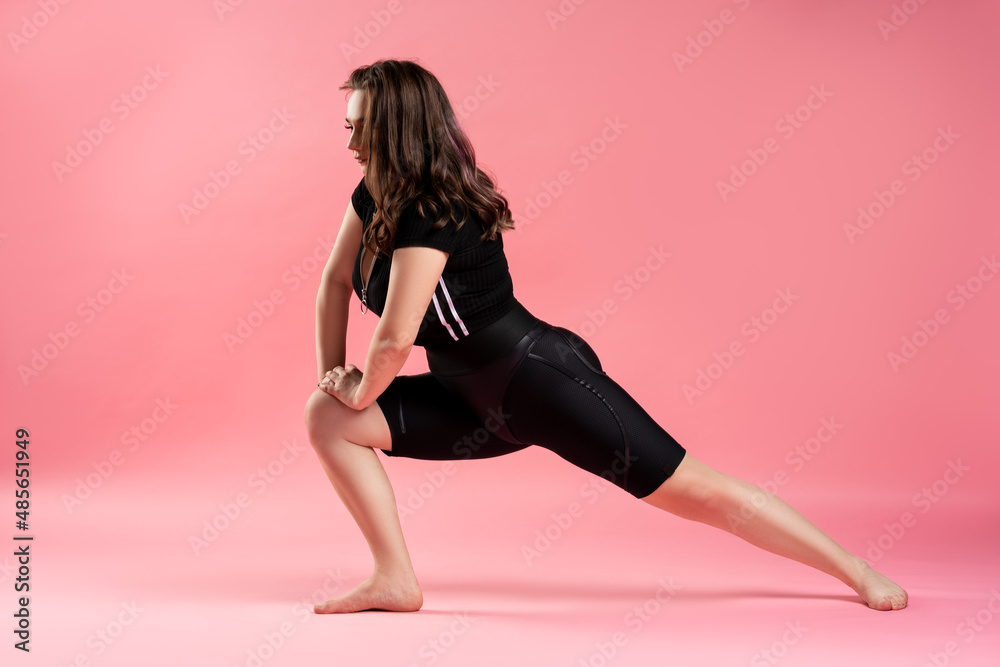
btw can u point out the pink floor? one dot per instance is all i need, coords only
(622, 583)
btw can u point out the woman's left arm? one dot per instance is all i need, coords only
(412, 280)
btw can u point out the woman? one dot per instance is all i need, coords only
(421, 246)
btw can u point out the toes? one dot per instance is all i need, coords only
(328, 607)
(888, 603)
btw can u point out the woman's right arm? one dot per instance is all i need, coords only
(334, 296)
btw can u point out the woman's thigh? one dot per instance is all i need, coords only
(428, 421)
(327, 416)
(561, 399)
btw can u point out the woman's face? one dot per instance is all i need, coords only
(355, 110)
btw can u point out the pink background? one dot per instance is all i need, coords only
(533, 92)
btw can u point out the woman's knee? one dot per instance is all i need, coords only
(327, 418)
(322, 414)
(693, 490)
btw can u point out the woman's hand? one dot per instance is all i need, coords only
(342, 383)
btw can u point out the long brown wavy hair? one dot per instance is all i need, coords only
(419, 155)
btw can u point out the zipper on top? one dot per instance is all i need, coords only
(365, 281)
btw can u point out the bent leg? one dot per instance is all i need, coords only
(415, 417)
(344, 439)
(700, 493)
(433, 421)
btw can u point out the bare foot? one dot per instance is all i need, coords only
(387, 593)
(877, 590)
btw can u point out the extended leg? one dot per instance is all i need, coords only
(344, 440)
(698, 492)
(561, 399)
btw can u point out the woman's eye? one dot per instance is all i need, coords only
(348, 127)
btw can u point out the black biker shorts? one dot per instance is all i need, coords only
(522, 382)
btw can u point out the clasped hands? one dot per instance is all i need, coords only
(342, 382)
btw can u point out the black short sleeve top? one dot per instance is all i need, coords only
(474, 290)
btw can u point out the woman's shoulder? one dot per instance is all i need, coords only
(362, 201)
(457, 232)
